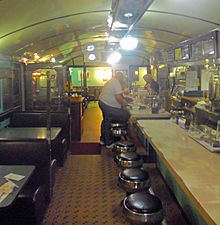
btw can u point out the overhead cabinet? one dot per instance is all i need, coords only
(201, 48)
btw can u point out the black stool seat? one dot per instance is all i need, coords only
(124, 146)
(130, 156)
(134, 174)
(129, 160)
(143, 203)
(143, 208)
(119, 125)
(134, 180)
(119, 129)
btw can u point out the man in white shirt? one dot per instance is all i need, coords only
(111, 102)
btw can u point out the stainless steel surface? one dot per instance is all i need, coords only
(124, 148)
(214, 93)
(143, 218)
(118, 132)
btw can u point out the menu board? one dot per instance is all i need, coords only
(208, 48)
(182, 53)
(197, 50)
(178, 55)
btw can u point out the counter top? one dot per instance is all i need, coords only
(147, 114)
(194, 99)
(195, 168)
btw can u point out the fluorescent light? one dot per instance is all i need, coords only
(92, 57)
(128, 43)
(118, 24)
(128, 15)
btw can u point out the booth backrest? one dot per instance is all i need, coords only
(21, 152)
(39, 119)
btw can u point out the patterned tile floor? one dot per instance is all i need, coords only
(86, 192)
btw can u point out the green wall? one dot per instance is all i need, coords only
(93, 76)
(141, 82)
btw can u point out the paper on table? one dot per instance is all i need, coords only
(14, 176)
(5, 190)
(3, 196)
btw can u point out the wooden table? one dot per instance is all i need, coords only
(28, 133)
(195, 170)
(21, 170)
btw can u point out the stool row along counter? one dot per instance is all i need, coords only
(140, 206)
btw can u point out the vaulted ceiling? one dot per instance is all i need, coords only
(62, 29)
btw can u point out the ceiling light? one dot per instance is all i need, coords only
(90, 48)
(109, 21)
(128, 43)
(128, 15)
(53, 60)
(118, 24)
(114, 58)
(92, 57)
(36, 56)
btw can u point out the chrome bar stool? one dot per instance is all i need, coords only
(119, 130)
(143, 209)
(124, 146)
(129, 160)
(134, 180)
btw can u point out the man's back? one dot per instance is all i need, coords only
(110, 89)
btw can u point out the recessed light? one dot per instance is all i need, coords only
(92, 57)
(90, 48)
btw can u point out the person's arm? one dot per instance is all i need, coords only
(149, 89)
(120, 100)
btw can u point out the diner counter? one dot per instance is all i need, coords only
(144, 112)
(196, 170)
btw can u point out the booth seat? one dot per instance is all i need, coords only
(39, 119)
(32, 201)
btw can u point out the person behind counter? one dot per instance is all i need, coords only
(112, 104)
(151, 85)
